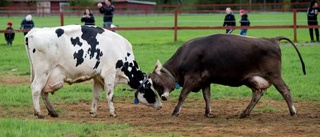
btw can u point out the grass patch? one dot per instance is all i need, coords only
(29, 128)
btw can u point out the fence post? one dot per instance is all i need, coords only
(295, 25)
(175, 24)
(61, 19)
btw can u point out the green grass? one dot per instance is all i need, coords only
(34, 128)
(150, 46)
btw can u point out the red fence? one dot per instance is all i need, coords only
(158, 9)
(190, 8)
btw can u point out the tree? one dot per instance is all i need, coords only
(5, 3)
(82, 2)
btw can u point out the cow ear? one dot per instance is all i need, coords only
(158, 67)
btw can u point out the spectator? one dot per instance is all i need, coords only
(107, 12)
(229, 20)
(244, 22)
(88, 17)
(27, 24)
(312, 13)
(9, 34)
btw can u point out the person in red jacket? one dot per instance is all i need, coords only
(9, 34)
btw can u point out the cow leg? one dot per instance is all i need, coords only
(256, 95)
(285, 92)
(49, 107)
(183, 95)
(95, 97)
(207, 95)
(109, 88)
(36, 103)
(36, 88)
(110, 100)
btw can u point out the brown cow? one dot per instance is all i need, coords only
(225, 59)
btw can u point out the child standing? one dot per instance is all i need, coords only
(244, 22)
(9, 34)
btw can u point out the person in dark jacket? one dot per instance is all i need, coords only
(9, 34)
(229, 20)
(88, 17)
(107, 12)
(312, 13)
(27, 24)
(244, 22)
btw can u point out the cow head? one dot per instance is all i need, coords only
(162, 81)
(147, 95)
(138, 80)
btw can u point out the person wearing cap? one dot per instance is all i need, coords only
(312, 13)
(229, 20)
(244, 22)
(9, 34)
(27, 24)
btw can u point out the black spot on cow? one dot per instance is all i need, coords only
(59, 32)
(134, 74)
(149, 96)
(128, 54)
(75, 41)
(89, 34)
(119, 64)
(97, 64)
(99, 54)
(34, 50)
(27, 41)
(79, 57)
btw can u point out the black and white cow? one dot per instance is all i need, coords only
(225, 59)
(77, 53)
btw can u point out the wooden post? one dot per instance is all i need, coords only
(61, 19)
(295, 25)
(175, 24)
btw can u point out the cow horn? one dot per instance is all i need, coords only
(158, 67)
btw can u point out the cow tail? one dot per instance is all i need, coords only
(30, 60)
(295, 47)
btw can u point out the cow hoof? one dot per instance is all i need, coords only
(294, 115)
(175, 114)
(113, 115)
(93, 114)
(210, 115)
(243, 115)
(39, 115)
(53, 114)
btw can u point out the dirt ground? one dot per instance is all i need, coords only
(269, 117)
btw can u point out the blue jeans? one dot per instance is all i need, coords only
(243, 32)
(107, 24)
